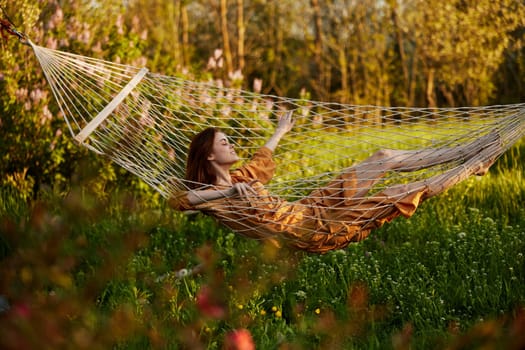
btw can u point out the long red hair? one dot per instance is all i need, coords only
(198, 168)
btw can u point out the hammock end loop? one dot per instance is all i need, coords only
(7, 27)
(23, 39)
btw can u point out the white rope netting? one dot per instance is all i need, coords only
(145, 122)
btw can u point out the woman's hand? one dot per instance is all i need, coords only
(243, 189)
(284, 125)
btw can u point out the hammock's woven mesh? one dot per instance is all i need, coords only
(148, 133)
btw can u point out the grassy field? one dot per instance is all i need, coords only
(81, 272)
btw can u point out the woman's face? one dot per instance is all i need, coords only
(223, 152)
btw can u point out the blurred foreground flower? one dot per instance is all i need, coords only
(21, 311)
(209, 304)
(239, 339)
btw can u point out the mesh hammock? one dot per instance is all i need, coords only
(326, 191)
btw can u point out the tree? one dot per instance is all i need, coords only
(241, 29)
(36, 147)
(460, 45)
(163, 28)
(356, 53)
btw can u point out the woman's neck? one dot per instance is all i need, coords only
(223, 177)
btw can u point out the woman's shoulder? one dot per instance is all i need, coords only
(264, 152)
(261, 167)
(239, 176)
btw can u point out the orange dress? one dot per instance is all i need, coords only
(327, 219)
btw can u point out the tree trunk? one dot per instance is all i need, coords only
(240, 31)
(225, 36)
(449, 96)
(318, 73)
(343, 68)
(276, 47)
(185, 47)
(401, 51)
(431, 97)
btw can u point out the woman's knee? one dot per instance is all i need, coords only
(396, 190)
(383, 154)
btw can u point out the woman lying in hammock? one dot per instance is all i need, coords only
(330, 217)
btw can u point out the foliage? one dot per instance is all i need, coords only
(37, 149)
(90, 258)
(458, 47)
(79, 271)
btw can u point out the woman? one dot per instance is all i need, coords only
(330, 217)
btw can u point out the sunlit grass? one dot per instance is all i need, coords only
(82, 272)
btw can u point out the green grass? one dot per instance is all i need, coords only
(83, 272)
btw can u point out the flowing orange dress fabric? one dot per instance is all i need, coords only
(327, 219)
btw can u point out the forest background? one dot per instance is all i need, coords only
(82, 239)
(387, 53)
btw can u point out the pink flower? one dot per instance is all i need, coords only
(208, 304)
(21, 310)
(257, 85)
(239, 339)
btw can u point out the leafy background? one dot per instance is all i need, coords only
(92, 258)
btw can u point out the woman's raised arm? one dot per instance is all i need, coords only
(284, 125)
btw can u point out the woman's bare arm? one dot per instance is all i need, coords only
(243, 189)
(284, 125)
(240, 189)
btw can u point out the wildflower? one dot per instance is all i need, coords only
(274, 308)
(317, 311)
(209, 304)
(278, 314)
(21, 94)
(263, 312)
(212, 64)
(257, 85)
(300, 294)
(240, 306)
(489, 220)
(120, 25)
(21, 310)
(36, 95)
(182, 273)
(239, 339)
(236, 75)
